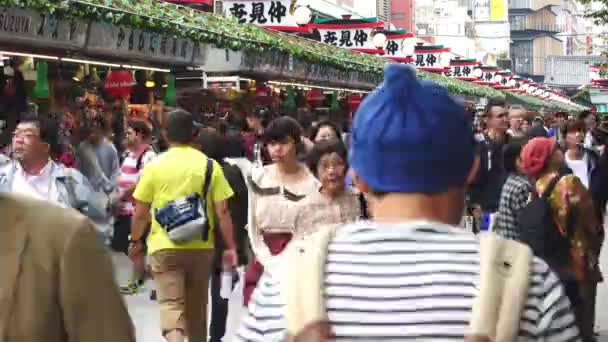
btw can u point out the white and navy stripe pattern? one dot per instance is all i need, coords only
(413, 282)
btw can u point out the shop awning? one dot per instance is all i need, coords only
(163, 18)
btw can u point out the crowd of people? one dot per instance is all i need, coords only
(195, 200)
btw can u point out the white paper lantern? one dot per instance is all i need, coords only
(379, 40)
(477, 72)
(498, 78)
(408, 46)
(512, 82)
(525, 87)
(302, 14)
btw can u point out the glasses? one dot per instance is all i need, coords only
(29, 135)
(336, 165)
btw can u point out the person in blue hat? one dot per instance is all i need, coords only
(410, 274)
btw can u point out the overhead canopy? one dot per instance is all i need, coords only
(226, 33)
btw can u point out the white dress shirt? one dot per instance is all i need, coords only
(40, 186)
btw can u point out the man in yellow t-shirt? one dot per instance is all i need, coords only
(181, 271)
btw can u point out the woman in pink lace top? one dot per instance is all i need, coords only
(277, 194)
(333, 204)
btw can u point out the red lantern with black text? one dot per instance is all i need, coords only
(119, 83)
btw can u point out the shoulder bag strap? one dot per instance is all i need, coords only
(303, 286)
(208, 177)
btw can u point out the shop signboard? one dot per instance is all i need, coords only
(274, 14)
(431, 58)
(26, 27)
(277, 65)
(355, 36)
(126, 42)
(397, 45)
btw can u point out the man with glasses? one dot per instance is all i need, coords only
(485, 190)
(32, 172)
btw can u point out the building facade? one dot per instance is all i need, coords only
(383, 11)
(535, 35)
(402, 14)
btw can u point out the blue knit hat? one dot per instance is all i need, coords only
(410, 136)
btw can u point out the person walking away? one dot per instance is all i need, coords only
(277, 195)
(220, 148)
(333, 203)
(57, 282)
(410, 274)
(97, 159)
(138, 155)
(515, 193)
(181, 254)
(491, 176)
(33, 172)
(573, 250)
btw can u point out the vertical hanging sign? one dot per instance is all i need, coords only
(272, 14)
(353, 34)
(399, 46)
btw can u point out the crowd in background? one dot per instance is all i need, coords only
(274, 179)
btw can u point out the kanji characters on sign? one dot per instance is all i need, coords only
(260, 12)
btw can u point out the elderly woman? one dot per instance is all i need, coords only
(333, 203)
(573, 250)
(278, 192)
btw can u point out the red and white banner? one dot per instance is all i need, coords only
(397, 45)
(355, 36)
(273, 14)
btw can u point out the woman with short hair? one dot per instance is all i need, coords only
(277, 194)
(333, 203)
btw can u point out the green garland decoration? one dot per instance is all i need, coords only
(226, 32)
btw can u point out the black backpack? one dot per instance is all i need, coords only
(539, 230)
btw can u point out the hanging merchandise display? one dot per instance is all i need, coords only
(315, 97)
(354, 100)
(289, 105)
(335, 103)
(41, 89)
(354, 34)
(170, 95)
(119, 83)
(399, 46)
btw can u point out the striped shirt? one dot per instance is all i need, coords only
(129, 175)
(407, 282)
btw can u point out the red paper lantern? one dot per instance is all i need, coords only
(315, 97)
(354, 100)
(119, 83)
(263, 95)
